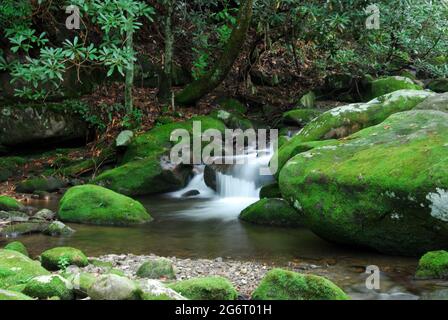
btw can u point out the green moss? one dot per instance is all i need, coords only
(270, 191)
(101, 264)
(81, 283)
(281, 284)
(53, 259)
(276, 212)
(438, 85)
(9, 166)
(157, 269)
(233, 105)
(13, 295)
(9, 204)
(46, 287)
(162, 297)
(209, 288)
(17, 246)
(96, 205)
(15, 268)
(24, 228)
(433, 265)
(378, 188)
(48, 184)
(300, 117)
(387, 85)
(342, 121)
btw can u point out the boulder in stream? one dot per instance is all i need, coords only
(17, 246)
(433, 265)
(274, 212)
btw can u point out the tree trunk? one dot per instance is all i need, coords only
(129, 72)
(166, 79)
(199, 88)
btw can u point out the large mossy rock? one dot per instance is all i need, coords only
(300, 117)
(281, 284)
(56, 258)
(16, 268)
(270, 191)
(207, 288)
(92, 204)
(17, 246)
(6, 295)
(342, 121)
(40, 123)
(437, 102)
(438, 85)
(10, 204)
(382, 86)
(160, 268)
(49, 286)
(275, 212)
(384, 187)
(433, 265)
(146, 167)
(114, 287)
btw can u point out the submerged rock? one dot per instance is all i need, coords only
(281, 284)
(384, 187)
(207, 288)
(16, 268)
(97, 205)
(114, 287)
(60, 257)
(17, 246)
(276, 212)
(49, 286)
(191, 193)
(433, 265)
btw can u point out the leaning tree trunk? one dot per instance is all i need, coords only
(199, 88)
(129, 72)
(166, 79)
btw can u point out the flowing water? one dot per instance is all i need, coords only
(207, 226)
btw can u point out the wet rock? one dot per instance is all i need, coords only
(191, 193)
(57, 228)
(45, 214)
(276, 212)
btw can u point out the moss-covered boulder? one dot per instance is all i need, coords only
(386, 85)
(281, 284)
(160, 268)
(10, 204)
(17, 246)
(433, 265)
(49, 286)
(24, 228)
(208, 288)
(275, 212)
(13, 295)
(270, 191)
(146, 167)
(48, 184)
(300, 117)
(114, 287)
(57, 228)
(384, 187)
(342, 121)
(437, 102)
(16, 268)
(438, 85)
(60, 257)
(92, 204)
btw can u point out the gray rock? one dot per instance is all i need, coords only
(114, 287)
(45, 214)
(57, 228)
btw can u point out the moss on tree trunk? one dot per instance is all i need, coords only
(197, 89)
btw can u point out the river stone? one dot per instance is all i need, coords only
(384, 187)
(16, 268)
(433, 265)
(279, 284)
(342, 121)
(155, 290)
(207, 288)
(45, 214)
(114, 287)
(54, 259)
(13, 295)
(275, 212)
(160, 268)
(57, 228)
(17, 246)
(40, 123)
(146, 167)
(387, 85)
(10, 204)
(92, 204)
(23, 228)
(49, 286)
(438, 102)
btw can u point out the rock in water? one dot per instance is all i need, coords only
(10, 204)
(279, 284)
(45, 287)
(97, 205)
(275, 212)
(16, 268)
(433, 265)
(57, 258)
(57, 228)
(385, 187)
(114, 287)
